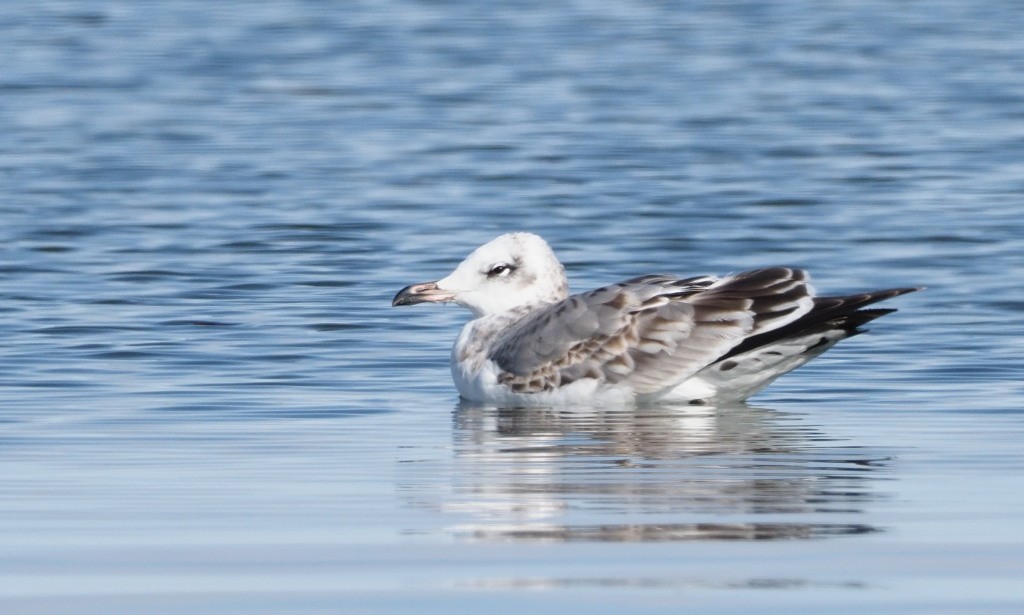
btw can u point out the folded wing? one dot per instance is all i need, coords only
(651, 332)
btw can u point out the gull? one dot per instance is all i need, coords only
(702, 340)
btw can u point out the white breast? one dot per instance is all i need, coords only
(476, 376)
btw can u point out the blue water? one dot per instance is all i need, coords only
(208, 406)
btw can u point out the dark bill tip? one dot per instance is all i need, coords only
(426, 292)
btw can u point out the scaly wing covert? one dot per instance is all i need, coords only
(651, 332)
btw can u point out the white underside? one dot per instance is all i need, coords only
(482, 386)
(733, 380)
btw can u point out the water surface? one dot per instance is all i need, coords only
(206, 404)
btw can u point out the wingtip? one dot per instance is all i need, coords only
(889, 293)
(911, 289)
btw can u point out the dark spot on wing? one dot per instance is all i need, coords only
(821, 342)
(618, 302)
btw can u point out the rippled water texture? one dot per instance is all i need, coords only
(208, 406)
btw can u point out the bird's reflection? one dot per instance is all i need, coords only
(653, 474)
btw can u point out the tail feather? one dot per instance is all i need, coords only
(840, 313)
(760, 359)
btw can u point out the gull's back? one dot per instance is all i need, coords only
(663, 337)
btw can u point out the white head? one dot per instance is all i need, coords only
(509, 271)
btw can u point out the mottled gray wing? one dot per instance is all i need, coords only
(650, 332)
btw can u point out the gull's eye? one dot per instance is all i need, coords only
(501, 269)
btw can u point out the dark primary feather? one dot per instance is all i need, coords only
(651, 332)
(843, 313)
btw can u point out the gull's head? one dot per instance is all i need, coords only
(507, 272)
